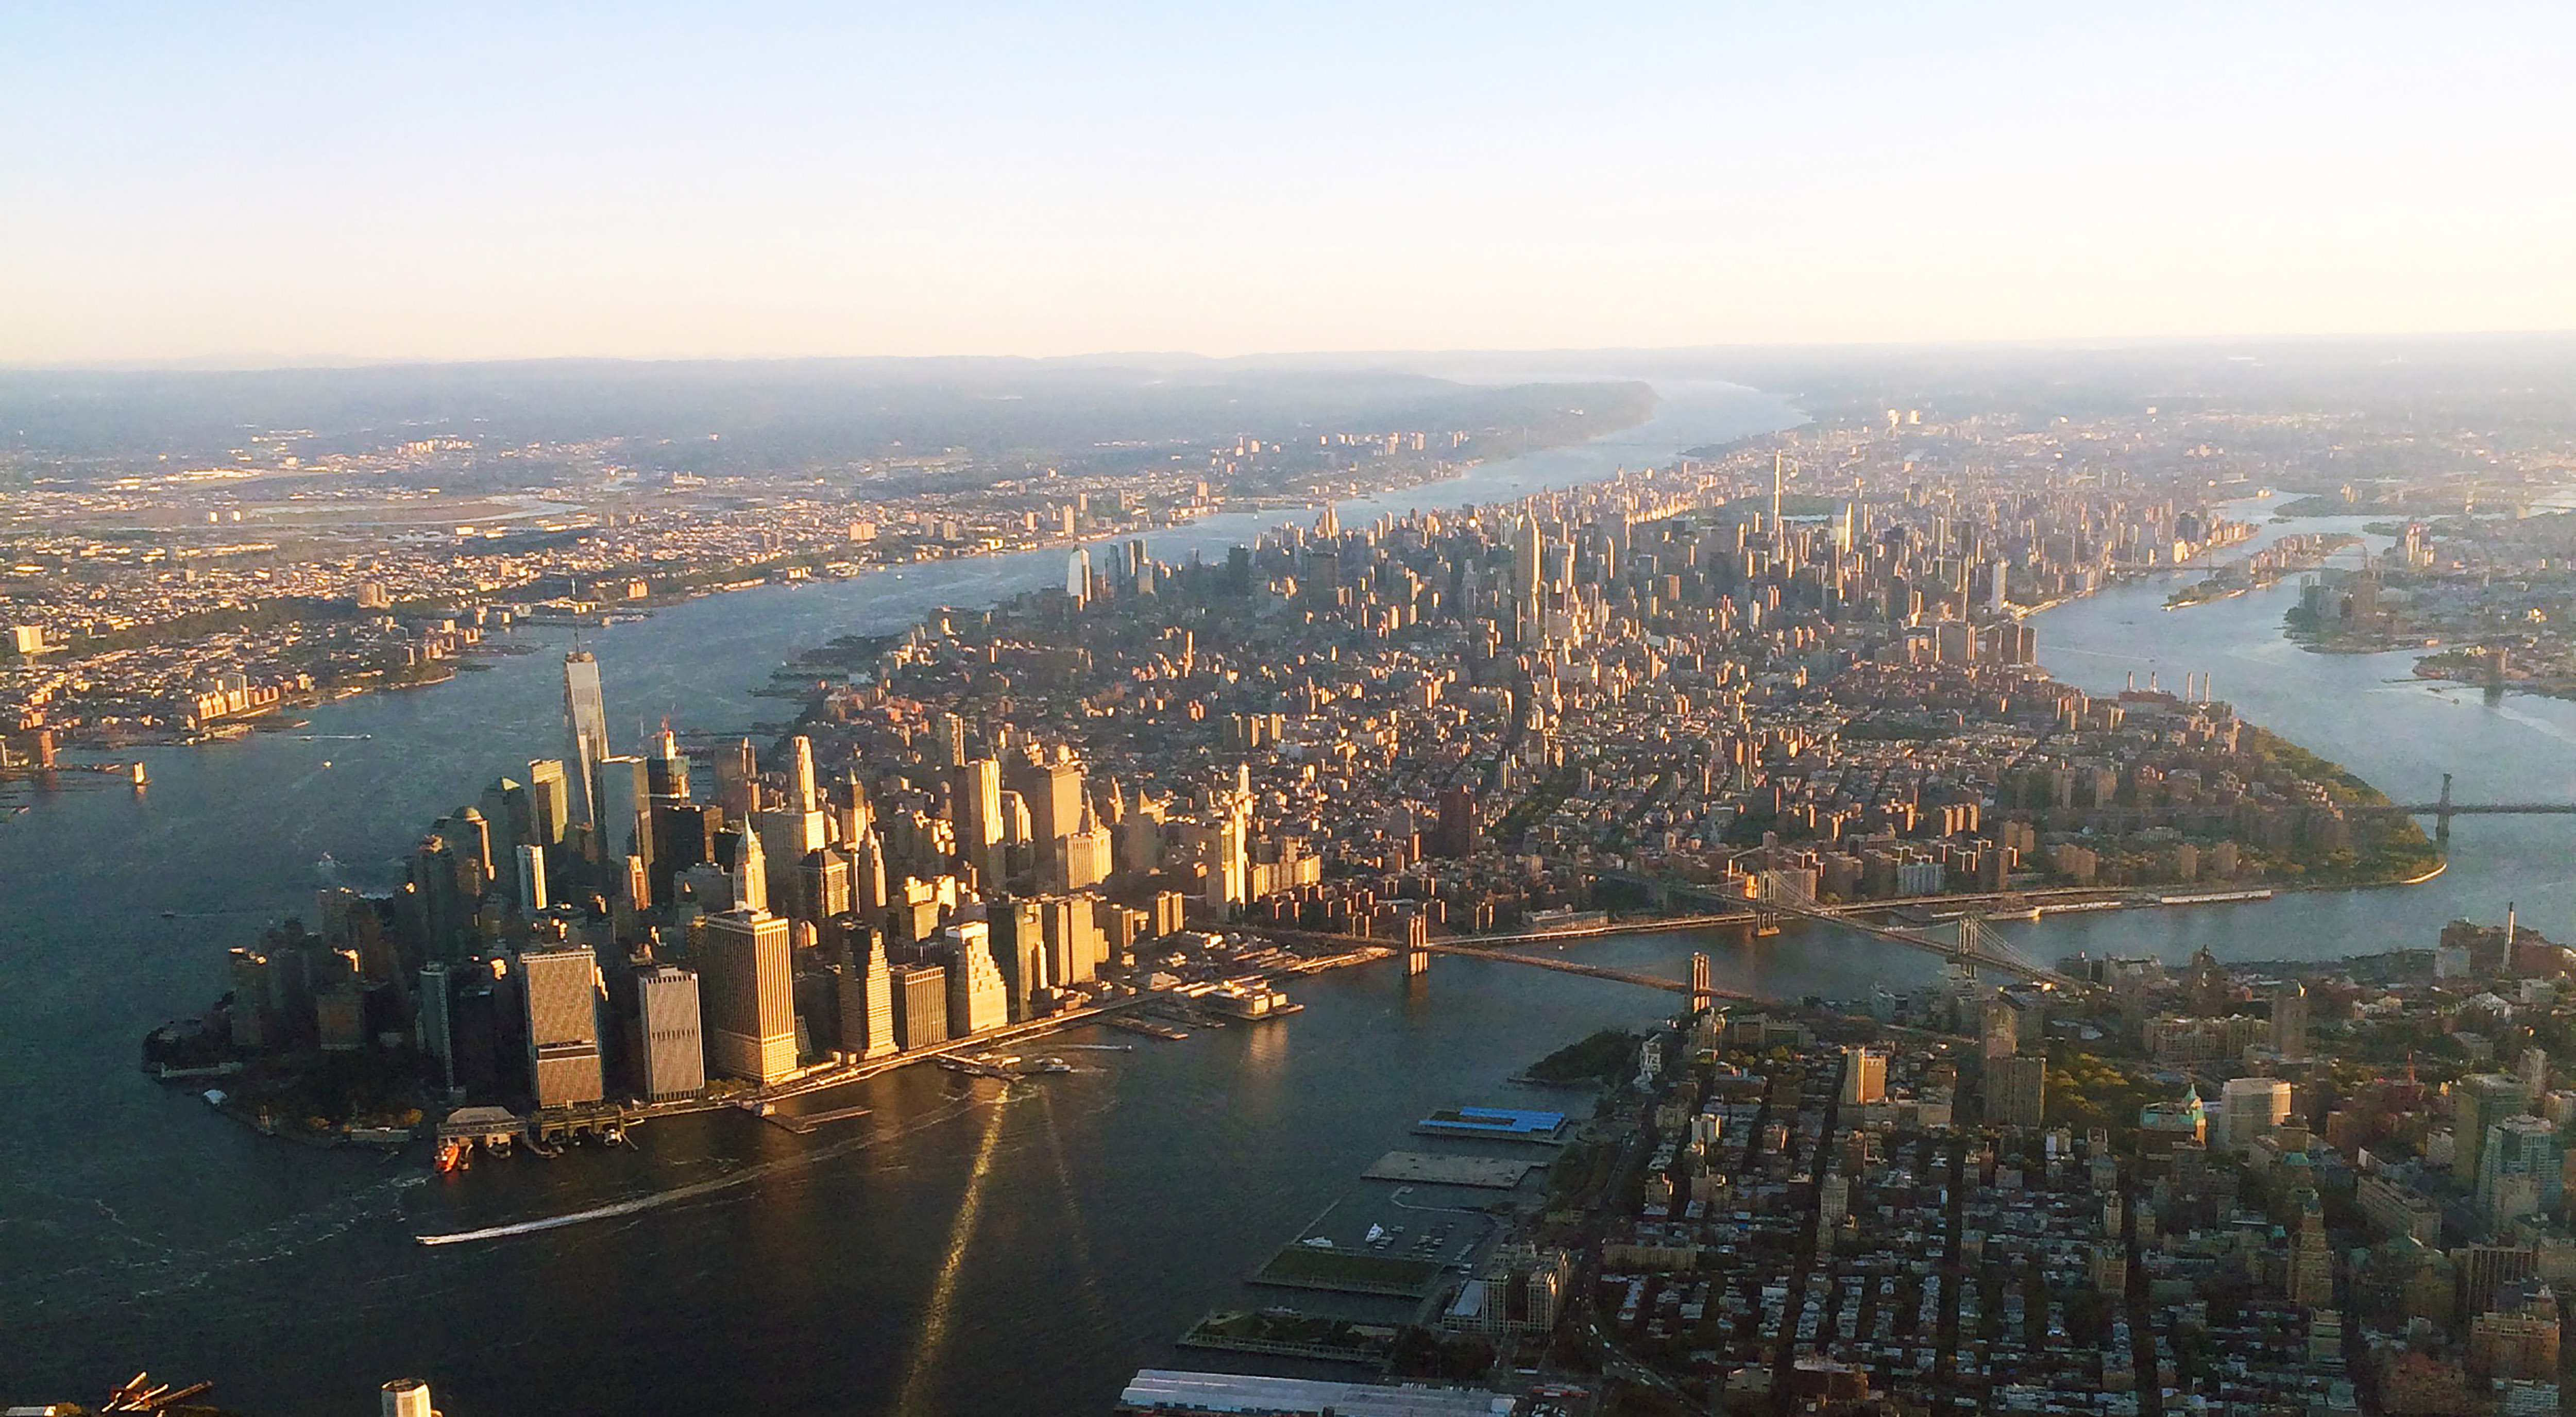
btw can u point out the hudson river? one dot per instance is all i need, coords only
(957, 1250)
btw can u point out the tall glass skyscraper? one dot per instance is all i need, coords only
(586, 733)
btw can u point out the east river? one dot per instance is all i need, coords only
(959, 1249)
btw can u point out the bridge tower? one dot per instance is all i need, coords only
(1767, 914)
(1702, 997)
(1972, 942)
(2442, 813)
(1417, 933)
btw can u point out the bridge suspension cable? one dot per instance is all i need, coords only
(1697, 987)
(1787, 892)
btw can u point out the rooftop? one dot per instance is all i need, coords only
(1495, 1121)
(1164, 1390)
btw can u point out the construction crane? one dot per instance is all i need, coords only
(140, 1394)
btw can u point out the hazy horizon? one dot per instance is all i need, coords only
(1403, 360)
(304, 186)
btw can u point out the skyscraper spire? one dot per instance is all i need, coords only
(801, 787)
(738, 781)
(750, 870)
(669, 767)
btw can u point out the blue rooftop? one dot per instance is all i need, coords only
(1494, 1121)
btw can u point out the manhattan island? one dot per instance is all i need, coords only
(1655, 693)
(177, 588)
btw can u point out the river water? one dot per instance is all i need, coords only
(956, 1250)
(2365, 711)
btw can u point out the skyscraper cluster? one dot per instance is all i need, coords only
(1444, 721)
(591, 928)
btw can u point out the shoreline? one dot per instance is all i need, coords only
(826, 1077)
(2424, 652)
(2440, 866)
(755, 577)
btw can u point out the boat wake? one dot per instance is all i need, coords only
(966, 1103)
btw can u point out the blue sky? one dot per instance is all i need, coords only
(460, 181)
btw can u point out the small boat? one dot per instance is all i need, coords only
(452, 1154)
